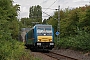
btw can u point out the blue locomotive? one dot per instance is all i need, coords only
(40, 37)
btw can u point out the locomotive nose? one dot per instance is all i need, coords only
(44, 38)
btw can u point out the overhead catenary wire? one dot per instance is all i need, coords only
(50, 15)
(51, 4)
(46, 14)
(49, 8)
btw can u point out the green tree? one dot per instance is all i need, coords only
(86, 22)
(35, 13)
(8, 15)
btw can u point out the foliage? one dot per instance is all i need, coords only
(27, 22)
(78, 42)
(35, 13)
(8, 20)
(35, 16)
(10, 48)
(72, 20)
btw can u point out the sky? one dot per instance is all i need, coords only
(52, 4)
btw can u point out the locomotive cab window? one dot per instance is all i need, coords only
(48, 30)
(39, 30)
(44, 29)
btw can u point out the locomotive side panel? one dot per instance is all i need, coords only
(29, 38)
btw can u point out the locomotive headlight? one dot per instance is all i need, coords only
(38, 43)
(50, 40)
(51, 43)
(39, 40)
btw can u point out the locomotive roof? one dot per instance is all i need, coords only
(42, 25)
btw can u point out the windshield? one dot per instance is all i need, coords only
(44, 30)
(39, 30)
(48, 30)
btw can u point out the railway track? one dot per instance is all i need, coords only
(59, 56)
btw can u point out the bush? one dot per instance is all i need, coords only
(78, 42)
(11, 50)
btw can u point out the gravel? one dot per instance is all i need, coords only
(71, 53)
(75, 54)
(41, 56)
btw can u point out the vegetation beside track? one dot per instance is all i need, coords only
(79, 42)
(14, 50)
(74, 28)
(10, 47)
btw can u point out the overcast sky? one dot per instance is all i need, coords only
(52, 4)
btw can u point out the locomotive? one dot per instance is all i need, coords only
(40, 37)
